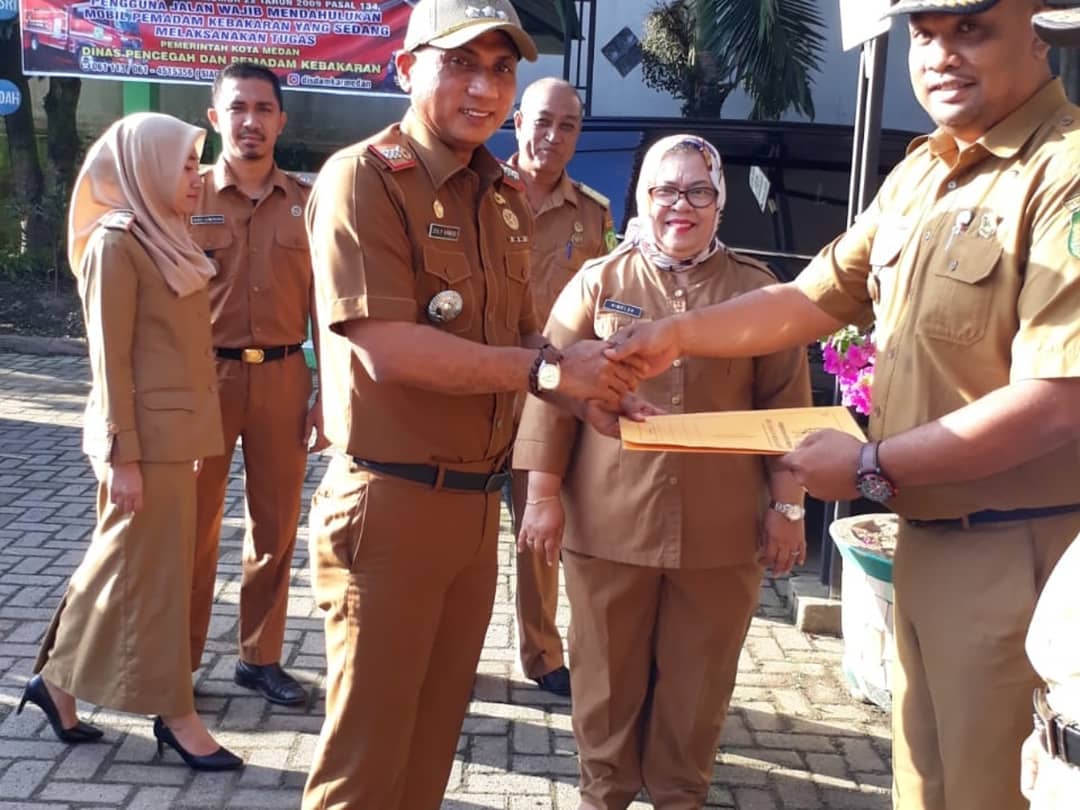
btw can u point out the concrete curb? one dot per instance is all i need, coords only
(43, 345)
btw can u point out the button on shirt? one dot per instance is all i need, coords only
(967, 261)
(261, 295)
(390, 233)
(668, 510)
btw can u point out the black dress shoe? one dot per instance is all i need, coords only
(557, 682)
(221, 760)
(270, 681)
(36, 693)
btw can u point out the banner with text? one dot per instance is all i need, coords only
(336, 46)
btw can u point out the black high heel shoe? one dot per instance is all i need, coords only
(221, 760)
(36, 693)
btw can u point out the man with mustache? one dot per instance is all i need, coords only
(250, 221)
(420, 246)
(571, 224)
(969, 262)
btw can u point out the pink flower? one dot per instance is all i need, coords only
(850, 356)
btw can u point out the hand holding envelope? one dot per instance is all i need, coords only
(820, 446)
(764, 432)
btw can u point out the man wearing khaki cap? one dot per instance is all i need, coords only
(420, 250)
(968, 260)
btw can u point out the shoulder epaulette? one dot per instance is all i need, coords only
(119, 220)
(512, 177)
(592, 194)
(305, 179)
(393, 155)
(760, 266)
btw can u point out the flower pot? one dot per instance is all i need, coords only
(866, 604)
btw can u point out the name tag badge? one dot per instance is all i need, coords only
(611, 305)
(208, 219)
(449, 233)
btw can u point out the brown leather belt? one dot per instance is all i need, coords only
(428, 474)
(256, 354)
(1059, 737)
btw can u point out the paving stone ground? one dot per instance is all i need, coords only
(794, 739)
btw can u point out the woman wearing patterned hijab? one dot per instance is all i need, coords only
(120, 635)
(663, 552)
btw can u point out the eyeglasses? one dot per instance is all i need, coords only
(698, 196)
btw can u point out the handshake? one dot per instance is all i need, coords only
(604, 374)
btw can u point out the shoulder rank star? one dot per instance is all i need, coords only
(393, 155)
(512, 178)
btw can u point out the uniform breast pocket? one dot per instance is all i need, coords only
(958, 291)
(292, 239)
(447, 272)
(606, 324)
(517, 274)
(212, 240)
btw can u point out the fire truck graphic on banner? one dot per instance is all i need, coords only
(339, 46)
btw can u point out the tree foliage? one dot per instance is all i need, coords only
(701, 50)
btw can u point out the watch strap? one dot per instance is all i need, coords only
(868, 459)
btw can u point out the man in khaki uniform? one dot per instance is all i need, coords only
(969, 260)
(250, 222)
(571, 224)
(420, 248)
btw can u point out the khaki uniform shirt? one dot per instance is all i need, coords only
(1052, 639)
(572, 226)
(969, 264)
(261, 295)
(394, 221)
(668, 510)
(154, 388)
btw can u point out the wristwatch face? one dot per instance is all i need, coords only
(792, 511)
(875, 487)
(548, 377)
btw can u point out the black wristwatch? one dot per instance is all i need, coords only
(871, 480)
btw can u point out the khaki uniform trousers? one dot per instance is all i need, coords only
(113, 639)
(654, 653)
(962, 685)
(406, 578)
(266, 404)
(540, 646)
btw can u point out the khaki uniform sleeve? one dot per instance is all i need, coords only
(109, 299)
(360, 248)
(1047, 344)
(836, 279)
(547, 434)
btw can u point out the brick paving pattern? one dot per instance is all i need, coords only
(794, 739)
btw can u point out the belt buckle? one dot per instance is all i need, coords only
(254, 356)
(1044, 723)
(494, 482)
